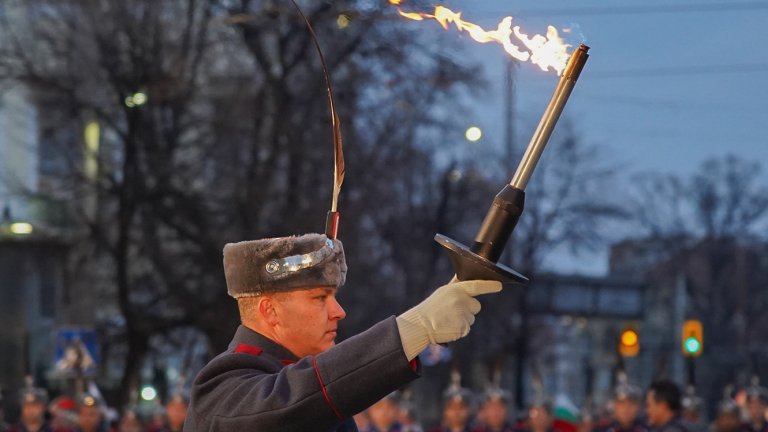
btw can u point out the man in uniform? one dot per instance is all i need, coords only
(33, 406)
(283, 370)
(457, 408)
(728, 414)
(383, 415)
(757, 397)
(90, 414)
(662, 405)
(493, 411)
(626, 410)
(175, 413)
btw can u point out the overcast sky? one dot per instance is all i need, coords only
(668, 84)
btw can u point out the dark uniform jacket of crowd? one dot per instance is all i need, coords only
(257, 385)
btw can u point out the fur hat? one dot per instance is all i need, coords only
(283, 264)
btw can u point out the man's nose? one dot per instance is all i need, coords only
(336, 311)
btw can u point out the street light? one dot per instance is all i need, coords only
(136, 99)
(473, 134)
(148, 393)
(21, 228)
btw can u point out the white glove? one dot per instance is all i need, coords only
(444, 316)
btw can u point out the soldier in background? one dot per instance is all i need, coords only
(540, 418)
(728, 417)
(90, 414)
(457, 407)
(383, 415)
(493, 411)
(757, 398)
(130, 422)
(63, 410)
(663, 404)
(692, 411)
(626, 409)
(175, 413)
(33, 407)
(406, 413)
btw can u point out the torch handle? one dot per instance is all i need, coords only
(549, 118)
(481, 261)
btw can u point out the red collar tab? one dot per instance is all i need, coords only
(248, 349)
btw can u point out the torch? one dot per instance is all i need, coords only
(480, 261)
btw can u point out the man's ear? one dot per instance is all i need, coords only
(267, 311)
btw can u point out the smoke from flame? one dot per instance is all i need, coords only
(546, 51)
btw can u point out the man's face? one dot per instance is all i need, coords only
(89, 418)
(626, 411)
(32, 412)
(495, 413)
(539, 418)
(383, 413)
(307, 320)
(176, 411)
(727, 422)
(456, 413)
(657, 411)
(756, 409)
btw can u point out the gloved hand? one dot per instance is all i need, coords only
(444, 316)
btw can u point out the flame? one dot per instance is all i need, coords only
(546, 52)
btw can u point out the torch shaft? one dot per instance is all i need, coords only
(549, 118)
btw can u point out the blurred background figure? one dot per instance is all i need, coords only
(663, 404)
(383, 415)
(626, 406)
(407, 413)
(130, 422)
(693, 417)
(33, 406)
(175, 413)
(728, 418)
(540, 418)
(90, 416)
(493, 411)
(757, 398)
(457, 407)
(64, 412)
(361, 420)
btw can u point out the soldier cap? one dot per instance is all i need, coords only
(34, 395)
(626, 391)
(283, 264)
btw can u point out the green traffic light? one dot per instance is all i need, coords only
(692, 345)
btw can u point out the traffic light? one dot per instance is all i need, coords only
(629, 341)
(693, 338)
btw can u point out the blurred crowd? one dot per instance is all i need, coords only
(88, 413)
(663, 407)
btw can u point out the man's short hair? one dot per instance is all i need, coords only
(668, 392)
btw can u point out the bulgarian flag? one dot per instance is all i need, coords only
(566, 415)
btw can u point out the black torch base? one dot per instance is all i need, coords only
(469, 265)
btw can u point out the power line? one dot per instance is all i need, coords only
(682, 71)
(635, 9)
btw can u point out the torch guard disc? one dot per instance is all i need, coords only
(469, 265)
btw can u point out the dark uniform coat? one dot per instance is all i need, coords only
(258, 385)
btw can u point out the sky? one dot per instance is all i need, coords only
(669, 83)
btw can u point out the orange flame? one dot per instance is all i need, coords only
(548, 51)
